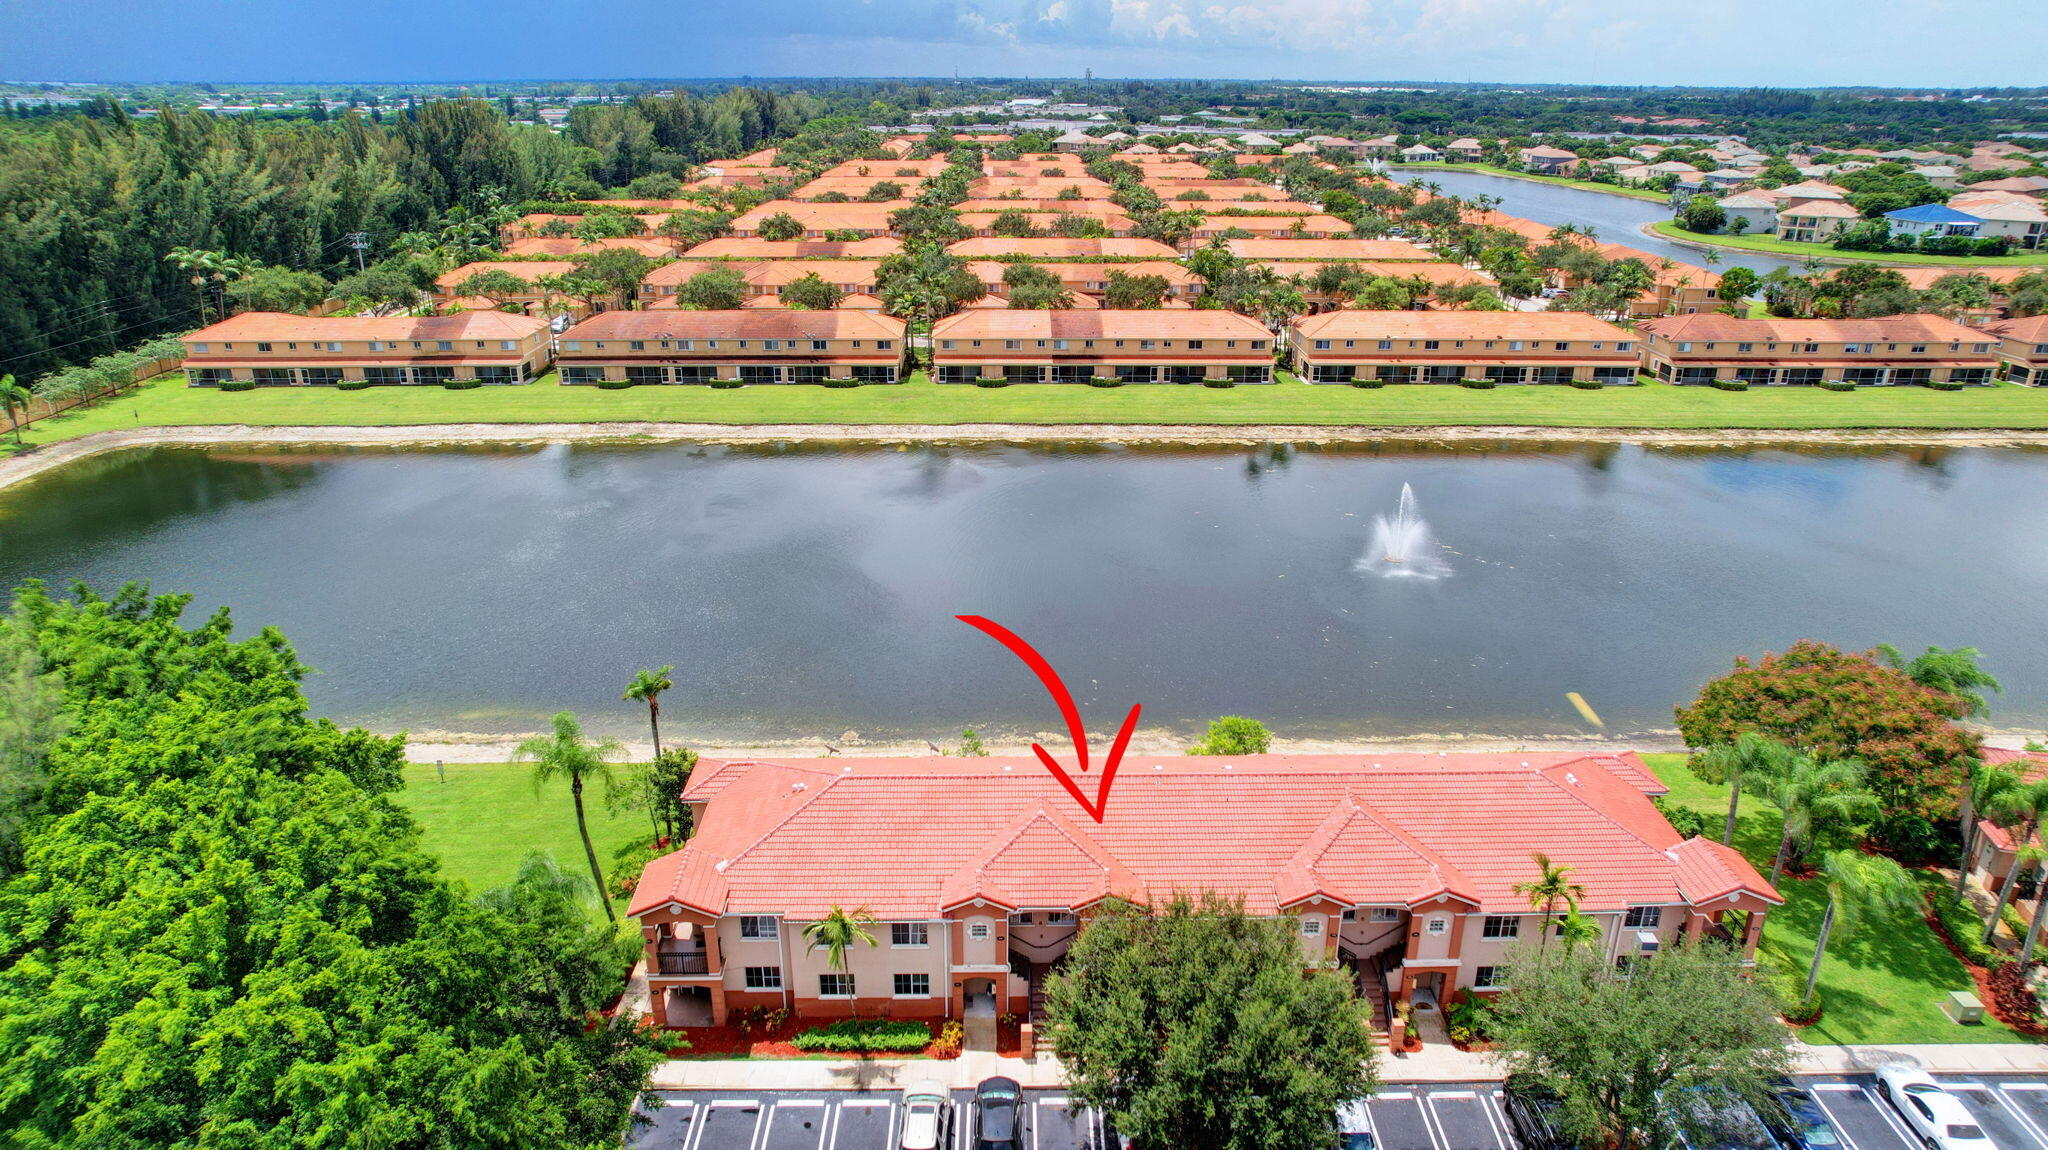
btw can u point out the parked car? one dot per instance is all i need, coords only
(927, 1117)
(1710, 1118)
(1554, 293)
(998, 1115)
(1940, 1118)
(1355, 1125)
(1796, 1120)
(1536, 1114)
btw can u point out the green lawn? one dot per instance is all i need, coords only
(1669, 229)
(485, 818)
(167, 402)
(1881, 984)
(1582, 185)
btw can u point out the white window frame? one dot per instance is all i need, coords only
(896, 981)
(1634, 918)
(760, 927)
(1437, 924)
(979, 930)
(1500, 927)
(762, 977)
(832, 978)
(919, 934)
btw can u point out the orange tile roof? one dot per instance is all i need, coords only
(271, 325)
(1886, 329)
(913, 837)
(772, 324)
(1057, 247)
(1356, 324)
(1279, 248)
(824, 217)
(1100, 324)
(750, 248)
(570, 245)
(2027, 329)
(524, 269)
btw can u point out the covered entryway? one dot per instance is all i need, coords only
(978, 1016)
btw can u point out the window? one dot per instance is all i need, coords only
(1745, 348)
(1386, 345)
(1919, 349)
(1311, 927)
(1486, 978)
(1431, 344)
(1013, 345)
(199, 349)
(1386, 914)
(1501, 926)
(1623, 345)
(770, 345)
(503, 345)
(1322, 345)
(444, 345)
(912, 985)
(909, 934)
(835, 986)
(977, 930)
(262, 347)
(1196, 344)
(1436, 925)
(1643, 917)
(757, 926)
(636, 345)
(567, 345)
(1147, 344)
(1059, 345)
(1561, 347)
(820, 344)
(945, 345)
(1054, 917)
(764, 978)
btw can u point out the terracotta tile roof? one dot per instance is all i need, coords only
(1708, 871)
(824, 217)
(1056, 247)
(1920, 277)
(1820, 209)
(2028, 329)
(772, 324)
(1101, 324)
(907, 837)
(1438, 273)
(524, 269)
(269, 325)
(1333, 249)
(570, 245)
(1470, 326)
(747, 247)
(1712, 326)
(1112, 219)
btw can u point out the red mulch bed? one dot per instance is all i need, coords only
(2003, 991)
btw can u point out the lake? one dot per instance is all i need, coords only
(806, 592)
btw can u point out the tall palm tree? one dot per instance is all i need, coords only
(2034, 857)
(1952, 672)
(647, 687)
(838, 932)
(1984, 788)
(566, 754)
(1751, 757)
(2022, 806)
(199, 266)
(1816, 793)
(1858, 884)
(1551, 885)
(14, 398)
(1574, 928)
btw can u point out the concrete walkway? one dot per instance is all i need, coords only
(1435, 1063)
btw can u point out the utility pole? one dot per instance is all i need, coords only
(359, 241)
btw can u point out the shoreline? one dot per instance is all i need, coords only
(37, 461)
(1576, 185)
(1831, 258)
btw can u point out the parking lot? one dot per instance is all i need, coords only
(1437, 1116)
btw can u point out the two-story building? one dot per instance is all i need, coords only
(1893, 349)
(1452, 346)
(757, 345)
(1074, 346)
(282, 350)
(981, 872)
(2022, 348)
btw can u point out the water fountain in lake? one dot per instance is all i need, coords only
(1402, 547)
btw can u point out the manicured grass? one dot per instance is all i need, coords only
(485, 819)
(167, 402)
(1881, 984)
(1669, 229)
(1582, 185)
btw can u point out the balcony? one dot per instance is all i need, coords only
(681, 962)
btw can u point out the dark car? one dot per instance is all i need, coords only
(1796, 1120)
(1536, 1113)
(1710, 1118)
(999, 1115)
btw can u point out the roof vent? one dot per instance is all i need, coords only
(1009, 767)
(722, 864)
(1226, 766)
(846, 770)
(1375, 766)
(796, 786)
(1571, 778)
(1158, 766)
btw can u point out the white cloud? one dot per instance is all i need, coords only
(1054, 12)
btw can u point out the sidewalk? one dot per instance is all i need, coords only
(1439, 1062)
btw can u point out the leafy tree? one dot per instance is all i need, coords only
(1750, 758)
(689, 228)
(32, 718)
(1835, 705)
(1553, 884)
(1858, 885)
(605, 225)
(780, 226)
(494, 284)
(883, 190)
(1192, 1026)
(2022, 807)
(658, 786)
(1033, 288)
(713, 289)
(1234, 735)
(565, 754)
(811, 292)
(1012, 224)
(1738, 283)
(927, 224)
(646, 687)
(971, 746)
(621, 271)
(925, 284)
(1138, 292)
(1615, 1044)
(1575, 929)
(1168, 227)
(1703, 214)
(277, 289)
(1952, 672)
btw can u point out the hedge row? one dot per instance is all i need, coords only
(866, 1036)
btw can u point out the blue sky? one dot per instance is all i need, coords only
(1946, 43)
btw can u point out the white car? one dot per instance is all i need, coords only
(927, 1116)
(1937, 1116)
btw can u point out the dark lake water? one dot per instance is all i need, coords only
(1615, 219)
(804, 593)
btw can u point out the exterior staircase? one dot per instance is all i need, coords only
(1370, 976)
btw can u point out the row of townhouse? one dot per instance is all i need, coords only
(1170, 346)
(756, 346)
(282, 350)
(1505, 347)
(1892, 350)
(980, 873)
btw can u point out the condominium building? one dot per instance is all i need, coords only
(1895, 349)
(1452, 346)
(1075, 346)
(281, 350)
(2022, 348)
(764, 345)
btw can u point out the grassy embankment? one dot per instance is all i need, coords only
(166, 402)
(1561, 181)
(1766, 245)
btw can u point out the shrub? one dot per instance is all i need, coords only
(1688, 822)
(952, 1036)
(352, 385)
(614, 384)
(840, 382)
(1960, 922)
(1916, 841)
(1731, 384)
(1468, 1018)
(2014, 924)
(627, 863)
(1219, 383)
(726, 383)
(1837, 385)
(991, 381)
(866, 1036)
(463, 384)
(1586, 384)
(1479, 384)
(1362, 381)
(236, 385)
(1946, 385)
(1104, 381)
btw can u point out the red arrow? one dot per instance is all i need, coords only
(1065, 701)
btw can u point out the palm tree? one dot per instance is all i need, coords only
(199, 266)
(565, 753)
(1574, 928)
(1952, 672)
(647, 687)
(2035, 857)
(1985, 787)
(1551, 884)
(1858, 884)
(14, 398)
(837, 933)
(1815, 793)
(2022, 805)
(1750, 757)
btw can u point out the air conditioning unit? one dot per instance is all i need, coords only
(1647, 942)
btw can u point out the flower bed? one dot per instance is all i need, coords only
(866, 1036)
(773, 1034)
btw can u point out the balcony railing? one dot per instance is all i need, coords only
(682, 962)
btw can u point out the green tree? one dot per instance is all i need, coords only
(1192, 1026)
(812, 293)
(1234, 735)
(1952, 672)
(646, 687)
(621, 271)
(494, 284)
(1139, 292)
(780, 226)
(1012, 224)
(1553, 884)
(2021, 807)
(1738, 283)
(1702, 214)
(837, 934)
(1985, 788)
(1751, 757)
(1614, 1045)
(657, 786)
(1033, 288)
(565, 754)
(1815, 796)
(1575, 929)
(923, 224)
(33, 716)
(14, 398)
(713, 289)
(277, 289)
(1858, 885)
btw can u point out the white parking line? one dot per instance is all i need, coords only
(753, 1138)
(1443, 1136)
(1430, 1124)
(1496, 1121)
(2016, 1112)
(1891, 1115)
(1833, 1086)
(1840, 1130)
(2023, 1086)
